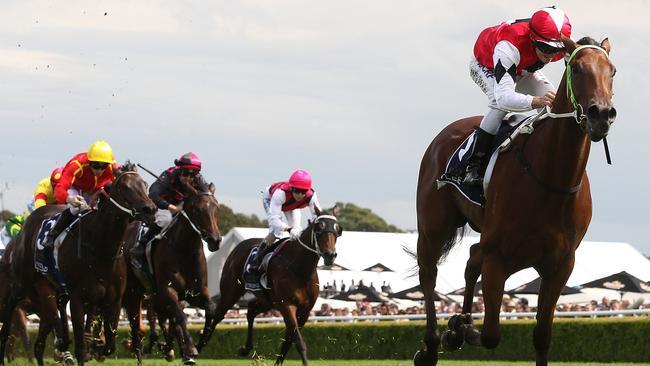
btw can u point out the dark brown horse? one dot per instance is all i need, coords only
(537, 210)
(293, 283)
(86, 259)
(180, 273)
(19, 318)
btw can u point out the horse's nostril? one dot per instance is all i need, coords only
(593, 112)
(612, 114)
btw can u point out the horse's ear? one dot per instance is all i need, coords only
(569, 44)
(107, 188)
(317, 210)
(606, 45)
(336, 211)
(212, 188)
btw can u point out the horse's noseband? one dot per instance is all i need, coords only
(330, 226)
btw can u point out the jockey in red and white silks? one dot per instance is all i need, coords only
(506, 66)
(284, 200)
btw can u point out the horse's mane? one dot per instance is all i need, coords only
(128, 166)
(588, 41)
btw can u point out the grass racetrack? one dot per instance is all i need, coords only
(260, 362)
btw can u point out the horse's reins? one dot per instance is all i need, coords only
(578, 111)
(577, 114)
(131, 212)
(316, 250)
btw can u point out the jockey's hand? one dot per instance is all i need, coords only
(173, 209)
(545, 100)
(294, 233)
(76, 201)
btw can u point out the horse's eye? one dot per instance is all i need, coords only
(614, 72)
(320, 227)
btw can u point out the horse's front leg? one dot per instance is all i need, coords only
(553, 281)
(77, 313)
(205, 302)
(291, 332)
(111, 319)
(178, 324)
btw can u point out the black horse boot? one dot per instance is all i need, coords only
(482, 143)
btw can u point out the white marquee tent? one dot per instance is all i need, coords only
(359, 250)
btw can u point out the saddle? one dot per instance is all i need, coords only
(51, 262)
(258, 280)
(457, 163)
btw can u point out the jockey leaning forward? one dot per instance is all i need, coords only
(285, 199)
(168, 193)
(83, 175)
(506, 66)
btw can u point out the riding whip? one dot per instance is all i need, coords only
(157, 177)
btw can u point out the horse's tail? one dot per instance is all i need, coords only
(455, 237)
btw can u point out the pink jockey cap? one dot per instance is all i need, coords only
(300, 179)
(189, 161)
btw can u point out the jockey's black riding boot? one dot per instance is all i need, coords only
(482, 143)
(63, 222)
(257, 261)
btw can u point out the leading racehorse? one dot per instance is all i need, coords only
(86, 257)
(293, 283)
(180, 272)
(537, 209)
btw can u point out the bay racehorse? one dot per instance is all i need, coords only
(86, 259)
(180, 272)
(19, 318)
(537, 209)
(292, 278)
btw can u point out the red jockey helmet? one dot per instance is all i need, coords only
(56, 175)
(189, 161)
(300, 179)
(548, 25)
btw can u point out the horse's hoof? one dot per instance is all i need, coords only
(68, 360)
(100, 358)
(190, 351)
(455, 321)
(422, 358)
(189, 361)
(451, 340)
(169, 356)
(472, 335)
(243, 351)
(57, 355)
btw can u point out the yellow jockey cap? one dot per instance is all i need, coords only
(100, 151)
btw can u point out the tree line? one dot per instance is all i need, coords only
(350, 216)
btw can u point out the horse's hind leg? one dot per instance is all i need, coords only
(10, 304)
(552, 284)
(464, 324)
(493, 281)
(44, 328)
(21, 321)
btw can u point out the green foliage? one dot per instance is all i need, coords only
(229, 219)
(5, 215)
(355, 218)
(585, 340)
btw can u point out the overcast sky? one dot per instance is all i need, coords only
(353, 91)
